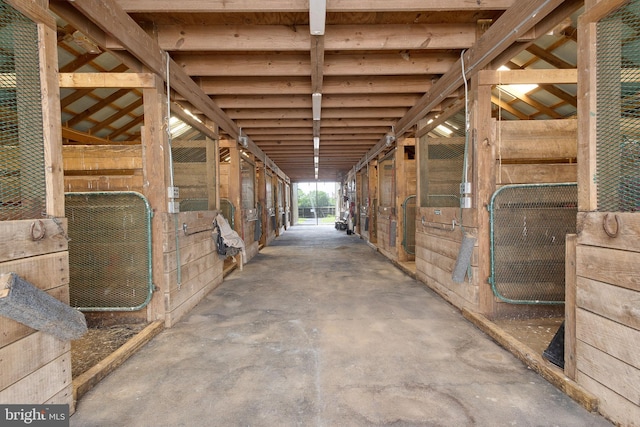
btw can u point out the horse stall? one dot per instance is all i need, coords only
(396, 183)
(36, 366)
(602, 328)
(111, 253)
(507, 225)
(238, 187)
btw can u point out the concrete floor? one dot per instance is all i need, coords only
(319, 330)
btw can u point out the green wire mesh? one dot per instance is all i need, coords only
(528, 228)
(190, 175)
(409, 231)
(109, 250)
(618, 116)
(442, 170)
(22, 180)
(228, 212)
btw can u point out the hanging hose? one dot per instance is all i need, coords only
(463, 261)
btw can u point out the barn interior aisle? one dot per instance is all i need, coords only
(320, 330)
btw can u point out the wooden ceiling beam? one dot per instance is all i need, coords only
(117, 115)
(549, 57)
(123, 129)
(263, 65)
(304, 101)
(284, 38)
(272, 145)
(509, 108)
(111, 19)
(97, 107)
(500, 36)
(345, 85)
(246, 124)
(327, 113)
(81, 93)
(74, 137)
(271, 6)
(317, 58)
(261, 133)
(79, 62)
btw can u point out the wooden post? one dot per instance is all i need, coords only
(483, 178)
(587, 110)
(570, 286)
(155, 169)
(52, 133)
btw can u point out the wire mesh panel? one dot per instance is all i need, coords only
(442, 162)
(190, 174)
(618, 119)
(409, 232)
(22, 181)
(228, 212)
(109, 250)
(528, 228)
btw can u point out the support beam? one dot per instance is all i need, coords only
(265, 65)
(106, 80)
(204, 6)
(274, 85)
(304, 101)
(116, 23)
(327, 113)
(317, 63)
(499, 37)
(283, 38)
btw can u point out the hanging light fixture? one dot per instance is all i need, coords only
(243, 139)
(390, 138)
(317, 16)
(316, 103)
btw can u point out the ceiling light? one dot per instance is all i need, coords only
(316, 102)
(316, 142)
(317, 16)
(243, 140)
(390, 137)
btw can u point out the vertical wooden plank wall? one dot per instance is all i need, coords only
(607, 323)
(36, 367)
(200, 268)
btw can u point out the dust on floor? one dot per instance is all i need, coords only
(535, 333)
(99, 343)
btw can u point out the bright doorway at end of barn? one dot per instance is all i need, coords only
(317, 202)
